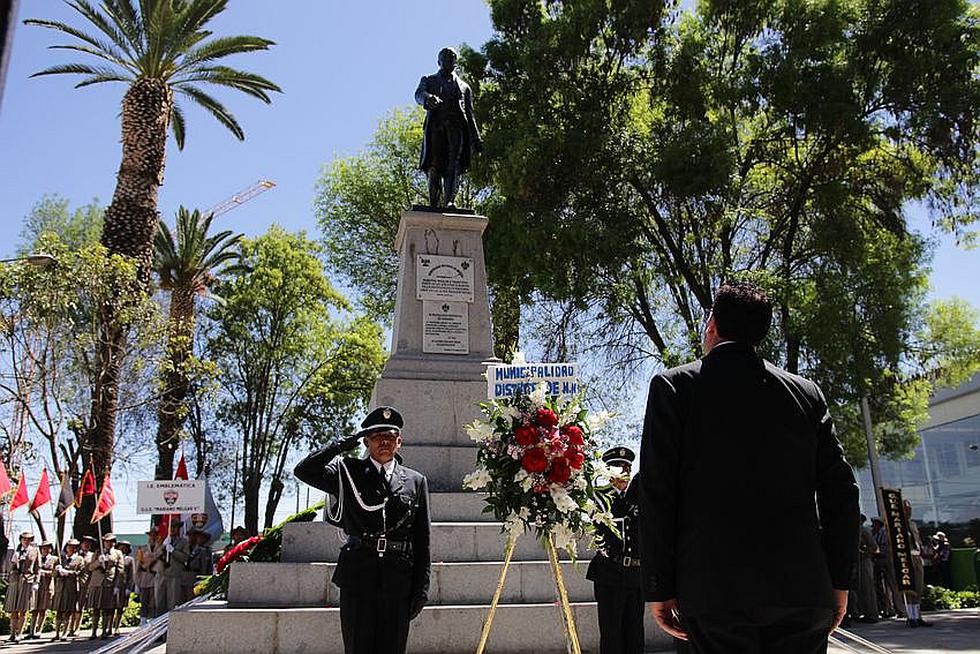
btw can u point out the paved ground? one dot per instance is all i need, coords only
(957, 632)
(952, 631)
(45, 646)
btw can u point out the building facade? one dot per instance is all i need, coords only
(942, 480)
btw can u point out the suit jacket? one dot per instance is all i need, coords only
(406, 518)
(747, 500)
(607, 565)
(457, 98)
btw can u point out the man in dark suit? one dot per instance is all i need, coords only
(383, 506)
(731, 441)
(615, 569)
(450, 133)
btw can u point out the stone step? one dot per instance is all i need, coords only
(308, 584)
(458, 507)
(215, 628)
(443, 465)
(454, 542)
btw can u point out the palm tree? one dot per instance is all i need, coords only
(160, 49)
(187, 267)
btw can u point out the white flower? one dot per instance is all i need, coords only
(480, 431)
(518, 359)
(579, 482)
(596, 421)
(602, 473)
(524, 478)
(478, 479)
(563, 501)
(509, 412)
(564, 537)
(539, 395)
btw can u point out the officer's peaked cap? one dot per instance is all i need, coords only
(618, 456)
(383, 418)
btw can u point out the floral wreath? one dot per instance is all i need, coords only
(540, 466)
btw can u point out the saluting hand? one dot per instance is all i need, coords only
(668, 619)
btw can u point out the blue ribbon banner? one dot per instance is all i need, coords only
(506, 381)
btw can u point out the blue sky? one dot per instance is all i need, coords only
(342, 64)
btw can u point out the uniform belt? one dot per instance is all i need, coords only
(379, 544)
(625, 561)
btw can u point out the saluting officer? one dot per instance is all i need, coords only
(615, 569)
(383, 569)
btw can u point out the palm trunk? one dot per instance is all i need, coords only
(173, 402)
(129, 225)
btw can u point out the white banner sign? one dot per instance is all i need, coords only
(177, 496)
(443, 278)
(510, 380)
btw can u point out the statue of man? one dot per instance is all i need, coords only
(450, 132)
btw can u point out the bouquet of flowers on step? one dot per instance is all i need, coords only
(539, 464)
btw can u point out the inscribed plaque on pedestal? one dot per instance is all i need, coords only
(445, 327)
(444, 278)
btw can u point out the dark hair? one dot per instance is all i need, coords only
(742, 312)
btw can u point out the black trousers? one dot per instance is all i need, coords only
(374, 625)
(620, 619)
(760, 631)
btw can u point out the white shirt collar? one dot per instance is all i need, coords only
(388, 467)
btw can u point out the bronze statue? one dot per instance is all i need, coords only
(450, 132)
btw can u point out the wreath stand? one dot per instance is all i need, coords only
(568, 620)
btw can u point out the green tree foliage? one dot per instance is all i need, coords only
(50, 337)
(641, 156)
(296, 368)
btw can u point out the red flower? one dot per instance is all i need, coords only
(526, 435)
(546, 418)
(560, 471)
(236, 552)
(575, 457)
(540, 488)
(535, 460)
(574, 435)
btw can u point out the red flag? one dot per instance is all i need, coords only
(163, 529)
(181, 469)
(5, 485)
(20, 497)
(42, 495)
(87, 487)
(106, 503)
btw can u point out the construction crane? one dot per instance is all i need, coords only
(241, 197)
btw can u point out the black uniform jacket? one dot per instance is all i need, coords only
(360, 570)
(746, 498)
(607, 566)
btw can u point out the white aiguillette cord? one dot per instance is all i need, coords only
(335, 515)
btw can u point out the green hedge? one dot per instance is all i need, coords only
(131, 618)
(937, 598)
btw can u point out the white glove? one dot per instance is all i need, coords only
(170, 548)
(103, 558)
(35, 587)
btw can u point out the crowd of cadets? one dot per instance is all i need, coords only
(101, 579)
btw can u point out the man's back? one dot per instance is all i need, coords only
(734, 452)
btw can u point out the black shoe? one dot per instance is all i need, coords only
(867, 620)
(922, 623)
(911, 623)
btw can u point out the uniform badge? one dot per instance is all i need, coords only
(387, 414)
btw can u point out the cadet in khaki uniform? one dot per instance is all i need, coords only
(170, 556)
(102, 591)
(87, 553)
(383, 506)
(66, 589)
(124, 584)
(615, 569)
(24, 565)
(44, 594)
